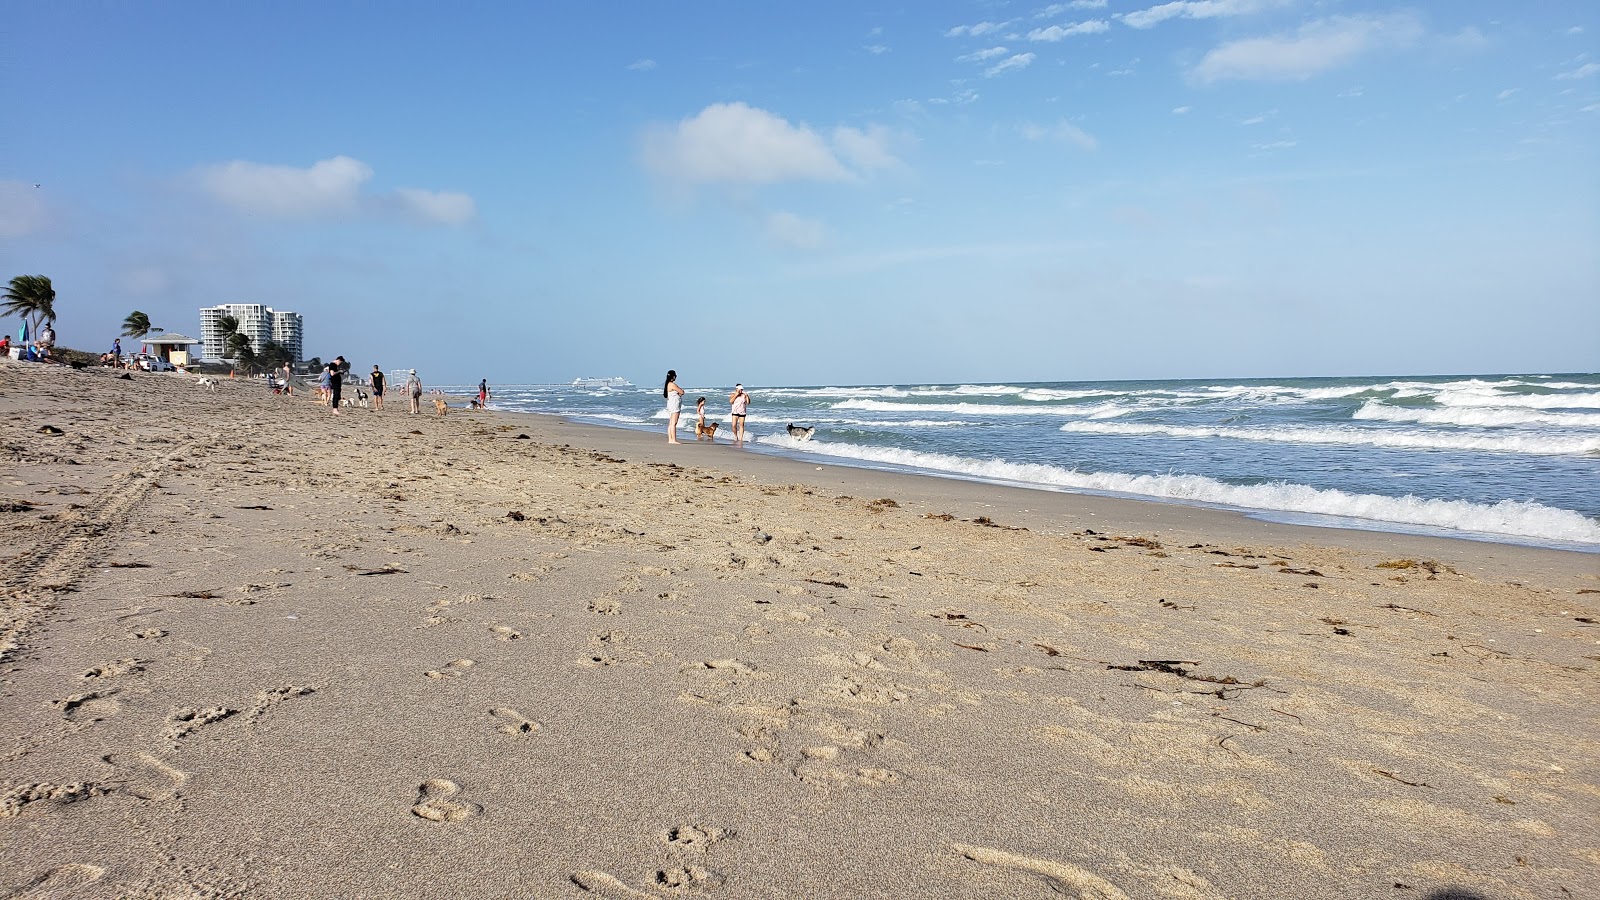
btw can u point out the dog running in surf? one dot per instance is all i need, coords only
(800, 432)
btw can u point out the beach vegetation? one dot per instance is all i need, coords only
(229, 327)
(31, 298)
(137, 325)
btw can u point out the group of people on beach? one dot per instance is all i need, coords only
(738, 402)
(37, 350)
(330, 386)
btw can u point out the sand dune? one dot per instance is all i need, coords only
(254, 650)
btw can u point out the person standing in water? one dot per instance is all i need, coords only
(740, 401)
(674, 395)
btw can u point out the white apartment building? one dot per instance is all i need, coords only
(260, 323)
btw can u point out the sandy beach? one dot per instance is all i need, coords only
(251, 649)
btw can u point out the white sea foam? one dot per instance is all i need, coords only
(1095, 410)
(1474, 416)
(1508, 517)
(1576, 400)
(1538, 444)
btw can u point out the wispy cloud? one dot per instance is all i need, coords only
(734, 143)
(1056, 9)
(330, 188)
(1316, 47)
(1584, 71)
(790, 230)
(1179, 110)
(981, 55)
(978, 30)
(1020, 61)
(1062, 132)
(876, 49)
(1276, 145)
(1059, 32)
(641, 65)
(1194, 9)
(1576, 29)
(1506, 94)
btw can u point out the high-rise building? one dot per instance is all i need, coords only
(257, 322)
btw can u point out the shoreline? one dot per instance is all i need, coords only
(249, 648)
(1048, 510)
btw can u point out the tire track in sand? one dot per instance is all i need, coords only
(62, 552)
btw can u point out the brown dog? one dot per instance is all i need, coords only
(440, 406)
(706, 432)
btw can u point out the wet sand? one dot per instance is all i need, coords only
(254, 649)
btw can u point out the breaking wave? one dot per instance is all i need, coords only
(1543, 445)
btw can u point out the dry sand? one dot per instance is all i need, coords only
(255, 650)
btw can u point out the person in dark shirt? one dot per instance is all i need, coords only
(377, 387)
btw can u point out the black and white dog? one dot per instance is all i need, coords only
(801, 433)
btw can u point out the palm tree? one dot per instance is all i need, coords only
(31, 298)
(236, 346)
(273, 355)
(229, 326)
(243, 356)
(137, 325)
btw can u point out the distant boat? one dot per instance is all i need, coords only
(614, 382)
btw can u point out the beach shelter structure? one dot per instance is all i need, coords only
(172, 347)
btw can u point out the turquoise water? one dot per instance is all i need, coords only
(1513, 458)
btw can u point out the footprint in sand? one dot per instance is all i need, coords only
(698, 838)
(87, 708)
(505, 633)
(434, 803)
(61, 881)
(512, 721)
(148, 634)
(146, 777)
(453, 669)
(1063, 878)
(125, 666)
(688, 878)
(605, 607)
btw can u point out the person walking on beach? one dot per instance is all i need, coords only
(288, 380)
(377, 387)
(740, 401)
(483, 393)
(414, 391)
(335, 385)
(674, 395)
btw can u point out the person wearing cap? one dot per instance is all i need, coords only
(414, 391)
(740, 401)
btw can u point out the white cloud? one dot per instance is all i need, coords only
(1062, 132)
(867, 148)
(876, 49)
(978, 30)
(1576, 29)
(1583, 71)
(1316, 47)
(981, 55)
(1056, 9)
(1056, 32)
(739, 144)
(1193, 9)
(1020, 61)
(1276, 145)
(642, 65)
(790, 230)
(1179, 110)
(329, 187)
(22, 209)
(1506, 94)
(1259, 118)
(442, 207)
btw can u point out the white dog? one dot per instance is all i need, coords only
(208, 383)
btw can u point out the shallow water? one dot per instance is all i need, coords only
(1510, 458)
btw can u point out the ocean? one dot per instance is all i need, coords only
(1509, 458)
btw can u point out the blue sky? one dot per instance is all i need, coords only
(828, 192)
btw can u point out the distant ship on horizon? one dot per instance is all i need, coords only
(615, 381)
